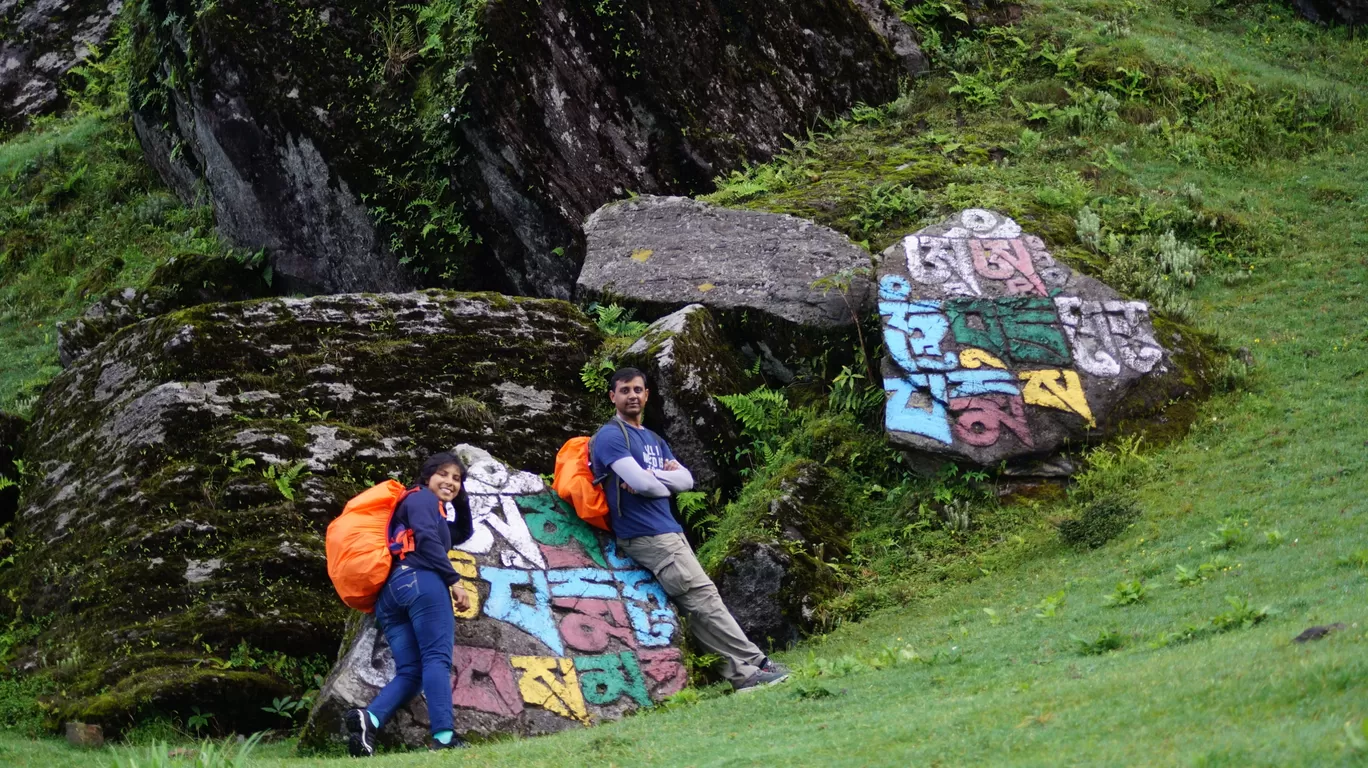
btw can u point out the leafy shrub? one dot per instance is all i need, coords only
(1240, 616)
(19, 703)
(1050, 605)
(1107, 640)
(1100, 522)
(1127, 593)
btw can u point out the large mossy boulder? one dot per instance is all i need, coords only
(180, 475)
(783, 288)
(562, 632)
(997, 352)
(468, 139)
(40, 42)
(688, 364)
(183, 281)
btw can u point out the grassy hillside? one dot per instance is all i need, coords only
(80, 214)
(1240, 130)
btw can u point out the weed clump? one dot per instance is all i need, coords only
(1100, 521)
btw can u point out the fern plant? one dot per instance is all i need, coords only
(766, 419)
(284, 479)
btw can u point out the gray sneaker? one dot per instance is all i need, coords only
(771, 665)
(762, 678)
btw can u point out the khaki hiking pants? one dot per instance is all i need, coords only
(670, 558)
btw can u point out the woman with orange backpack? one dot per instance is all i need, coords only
(415, 607)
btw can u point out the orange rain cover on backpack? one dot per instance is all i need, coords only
(358, 545)
(574, 482)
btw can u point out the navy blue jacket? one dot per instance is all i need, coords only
(421, 512)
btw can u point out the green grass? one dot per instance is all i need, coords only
(81, 213)
(967, 673)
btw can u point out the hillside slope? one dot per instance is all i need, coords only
(1243, 130)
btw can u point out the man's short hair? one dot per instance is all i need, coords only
(625, 374)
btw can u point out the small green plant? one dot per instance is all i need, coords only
(198, 720)
(1050, 606)
(1240, 616)
(288, 707)
(1127, 593)
(1228, 535)
(615, 320)
(1357, 559)
(1274, 537)
(1107, 640)
(981, 89)
(236, 463)
(883, 205)
(284, 479)
(809, 691)
(1188, 577)
(1185, 635)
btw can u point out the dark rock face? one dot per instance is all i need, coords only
(40, 41)
(288, 112)
(181, 475)
(757, 272)
(773, 586)
(687, 362)
(998, 352)
(11, 432)
(562, 630)
(1351, 12)
(180, 283)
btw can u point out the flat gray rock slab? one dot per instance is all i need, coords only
(995, 350)
(563, 630)
(665, 253)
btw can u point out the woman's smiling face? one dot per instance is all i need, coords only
(446, 482)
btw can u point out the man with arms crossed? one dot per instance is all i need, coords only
(645, 471)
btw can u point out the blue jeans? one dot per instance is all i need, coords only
(415, 613)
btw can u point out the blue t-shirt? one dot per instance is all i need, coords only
(639, 516)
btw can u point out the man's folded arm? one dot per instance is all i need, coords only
(639, 479)
(677, 480)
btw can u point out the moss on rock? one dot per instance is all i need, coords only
(183, 472)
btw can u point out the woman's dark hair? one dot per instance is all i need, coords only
(435, 462)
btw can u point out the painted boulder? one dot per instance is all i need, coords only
(564, 631)
(996, 351)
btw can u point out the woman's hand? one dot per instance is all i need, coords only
(460, 598)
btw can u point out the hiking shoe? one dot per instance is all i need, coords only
(456, 743)
(762, 678)
(771, 665)
(361, 743)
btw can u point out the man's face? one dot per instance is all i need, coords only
(629, 396)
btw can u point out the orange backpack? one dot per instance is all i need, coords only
(575, 481)
(359, 548)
